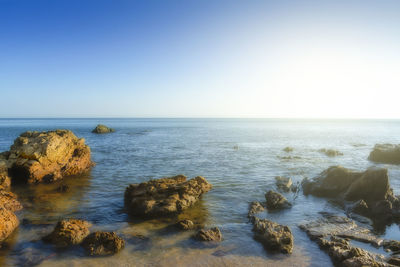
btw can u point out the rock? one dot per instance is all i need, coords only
(47, 156)
(276, 201)
(254, 208)
(360, 207)
(68, 232)
(103, 243)
(283, 183)
(385, 153)
(330, 152)
(213, 234)
(100, 129)
(8, 220)
(9, 200)
(288, 149)
(392, 245)
(273, 236)
(63, 188)
(165, 196)
(394, 261)
(185, 225)
(5, 181)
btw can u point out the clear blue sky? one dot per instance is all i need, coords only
(167, 58)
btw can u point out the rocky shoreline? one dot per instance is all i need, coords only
(45, 157)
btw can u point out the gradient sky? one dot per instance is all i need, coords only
(168, 58)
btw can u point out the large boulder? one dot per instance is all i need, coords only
(100, 129)
(273, 236)
(276, 201)
(165, 196)
(385, 153)
(8, 220)
(47, 156)
(103, 243)
(68, 232)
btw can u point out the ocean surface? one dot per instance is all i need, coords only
(240, 157)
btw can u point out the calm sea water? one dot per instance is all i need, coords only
(141, 149)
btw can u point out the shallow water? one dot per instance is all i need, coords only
(141, 149)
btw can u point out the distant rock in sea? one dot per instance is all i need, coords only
(330, 152)
(165, 196)
(288, 149)
(385, 153)
(47, 156)
(101, 129)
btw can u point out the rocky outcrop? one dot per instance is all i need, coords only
(283, 183)
(68, 232)
(276, 201)
(185, 225)
(165, 196)
(385, 153)
(213, 234)
(103, 243)
(47, 156)
(273, 236)
(370, 188)
(332, 233)
(101, 129)
(8, 220)
(330, 152)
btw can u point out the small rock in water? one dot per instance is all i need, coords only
(288, 149)
(283, 183)
(185, 225)
(101, 129)
(276, 201)
(254, 208)
(330, 152)
(273, 236)
(103, 243)
(213, 234)
(68, 232)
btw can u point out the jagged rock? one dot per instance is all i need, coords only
(273, 236)
(213, 234)
(165, 196)
(47, 156)
(185, 225)
(5, 180)
(254, 208)
(8, 220)
(385, 153)
(276, 201)
(283, 183)
(360, 207)
(288, 149)
(103, 243)
(68, 232)
(100, 129)
(330, 152)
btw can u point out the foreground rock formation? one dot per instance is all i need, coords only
(332, 233)
(165, 196)
(385, 153)
(46, 156)
(68, 232)
(8, 220)
(100, 129)
(103, 243)
(370, 188)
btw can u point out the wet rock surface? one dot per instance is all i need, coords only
(283, 183)
(273, 236)
(276, 201)
(68, 232)
(47, 156)
(254, 208)
(165, 196)
(213, 234)
(101, 129)
(103, 243)
(185, 225)
(8, 220)
(385, 153)
(330, 152)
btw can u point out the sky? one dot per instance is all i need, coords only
(200, 58)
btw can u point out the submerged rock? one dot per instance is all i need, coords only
(330, 152)
(213, 234)
(103, 243)
(100, 129)
(68, 232)
(283, 183)
(385, 153)
(185, 225)
(288, 149)
(47, 156)
(165, 196)
(273, 236)
(276, 201)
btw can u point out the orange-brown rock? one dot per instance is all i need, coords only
(8, 219)
(5, 180)
(165, 196)
(47, 156)
(68, 232)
